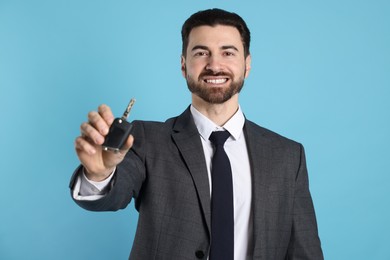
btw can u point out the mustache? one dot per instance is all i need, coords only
(214, 74)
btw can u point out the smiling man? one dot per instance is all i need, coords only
(208, 184)
(215, 72)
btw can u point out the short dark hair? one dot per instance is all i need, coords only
(213, 17)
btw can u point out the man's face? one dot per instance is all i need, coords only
(215, 66)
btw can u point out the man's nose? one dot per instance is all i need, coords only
(214, 64)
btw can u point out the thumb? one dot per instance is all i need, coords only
(129, 143)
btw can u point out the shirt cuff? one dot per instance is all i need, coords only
(86, 189)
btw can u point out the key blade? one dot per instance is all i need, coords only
(127, 111)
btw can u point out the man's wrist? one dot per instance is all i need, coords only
(98, 177)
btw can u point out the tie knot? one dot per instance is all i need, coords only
(219, 137)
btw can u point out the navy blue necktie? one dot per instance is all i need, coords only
(222, 212)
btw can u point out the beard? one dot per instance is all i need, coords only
(214, 95)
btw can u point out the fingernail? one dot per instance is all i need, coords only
(105, 131)
(98, 140)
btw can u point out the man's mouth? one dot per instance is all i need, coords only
(216, 81)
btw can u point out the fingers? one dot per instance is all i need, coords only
(102, 119)
(81, 144)
(106, 113)
(94, 131)
(98, 124)
(88, 145)
(90, 133)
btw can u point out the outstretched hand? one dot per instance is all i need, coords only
(98, 164)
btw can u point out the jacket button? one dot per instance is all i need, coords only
(199, 254)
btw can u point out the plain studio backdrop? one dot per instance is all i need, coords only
(320, 75)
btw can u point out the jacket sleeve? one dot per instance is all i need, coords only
(304, 242)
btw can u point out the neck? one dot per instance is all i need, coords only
(218, 113)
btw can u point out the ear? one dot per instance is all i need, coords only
(248, 61)
(183, 66)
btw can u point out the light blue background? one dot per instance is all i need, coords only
(320, 75)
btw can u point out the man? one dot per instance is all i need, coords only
(258, 208)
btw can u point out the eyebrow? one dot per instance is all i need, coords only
(199, 47)
(225, 47)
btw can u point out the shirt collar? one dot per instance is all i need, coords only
(205, 126)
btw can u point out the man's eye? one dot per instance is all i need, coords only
(228, 53)
(202, 53)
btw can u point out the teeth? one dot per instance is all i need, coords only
(216, 81)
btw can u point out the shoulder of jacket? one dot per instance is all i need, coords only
(253, 128)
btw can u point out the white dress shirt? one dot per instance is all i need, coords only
(236, 149)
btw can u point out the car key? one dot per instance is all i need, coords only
(119, 131)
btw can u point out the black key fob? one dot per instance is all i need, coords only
(119, 131)
(117, 135)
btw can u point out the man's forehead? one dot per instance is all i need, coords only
(223, 34)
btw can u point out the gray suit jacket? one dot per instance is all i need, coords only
(165, 172)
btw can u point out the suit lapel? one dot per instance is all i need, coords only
(258, 150)
(187, 140)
